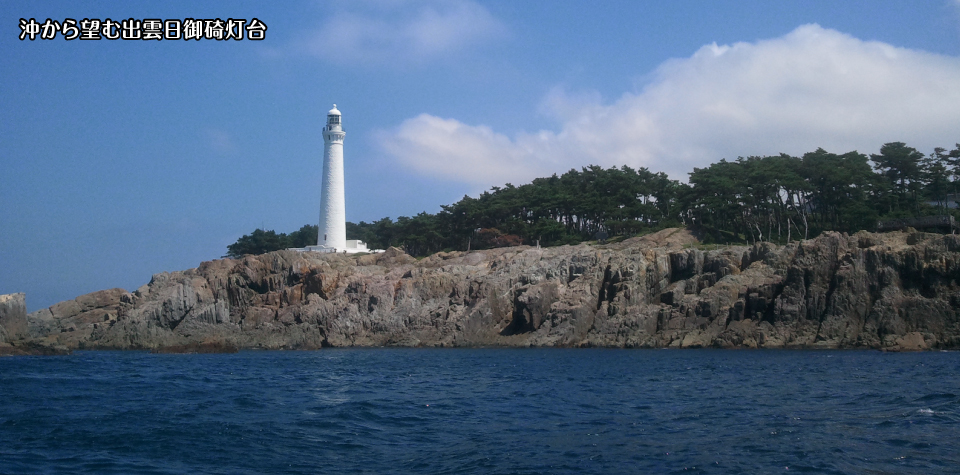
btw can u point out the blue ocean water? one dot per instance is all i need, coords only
(482, 411)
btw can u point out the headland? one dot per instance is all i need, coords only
(890, 291)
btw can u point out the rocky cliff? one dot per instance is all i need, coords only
(13, 317)
(890, 291)
(15, 337)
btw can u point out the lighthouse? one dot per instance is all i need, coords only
(333, 212)
(332, 233)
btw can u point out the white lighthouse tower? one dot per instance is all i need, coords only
(332, 235)
(333, 212)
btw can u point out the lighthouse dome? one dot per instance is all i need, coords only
(334, 111)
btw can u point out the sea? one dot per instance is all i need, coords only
(489, 411)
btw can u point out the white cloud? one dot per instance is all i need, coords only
(390, 31)
(811, 88)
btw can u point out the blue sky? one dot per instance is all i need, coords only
(121, 159)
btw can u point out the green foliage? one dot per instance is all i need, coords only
(303, 237)
(774, 198)
(902, 171)
(257, 242)
(261, 241)
(779, 198)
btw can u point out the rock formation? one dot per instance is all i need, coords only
(13, 317)
(15, 337)
(896, 291)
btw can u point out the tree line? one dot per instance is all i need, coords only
(261, 241)
(775, 198)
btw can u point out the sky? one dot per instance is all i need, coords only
(120, 159)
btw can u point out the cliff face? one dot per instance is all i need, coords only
(13, 317)
(894, 291)
(15, 336)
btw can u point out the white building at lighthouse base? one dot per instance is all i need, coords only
(354, 246)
